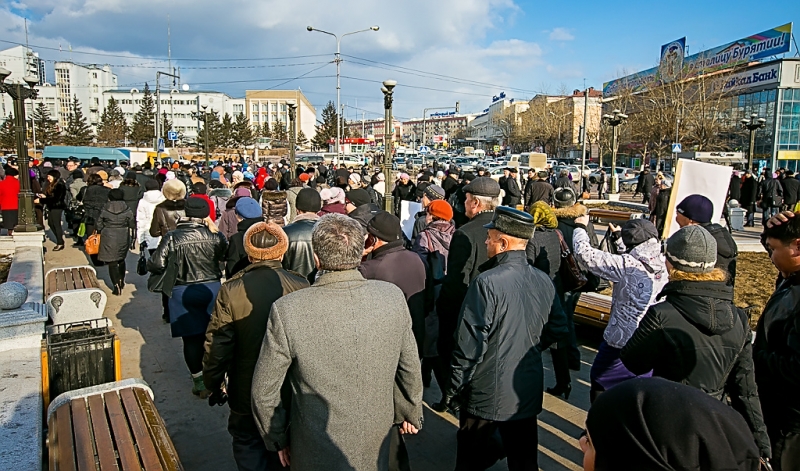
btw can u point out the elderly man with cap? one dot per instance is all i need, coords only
(299, 256)
(248, 212)
(392, 262)
(513, 195)
(467, 254)
(496, 368)
(638, 273)
(430, 193)
(345, 347)
(698, 210)
(236, 332)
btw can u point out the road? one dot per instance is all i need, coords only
(199, 431)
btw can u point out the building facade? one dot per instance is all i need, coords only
(435, 129)
(373, 130)
(87, 83)
(270, 107)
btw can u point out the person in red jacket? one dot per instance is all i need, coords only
(9, 199)
(199, 191)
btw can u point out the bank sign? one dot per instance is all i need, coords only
(766, 75)
(758, 46)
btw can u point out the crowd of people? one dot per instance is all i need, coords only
(304, 305)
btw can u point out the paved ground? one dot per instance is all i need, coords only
(199, 431)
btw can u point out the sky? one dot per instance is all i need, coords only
(439, 52)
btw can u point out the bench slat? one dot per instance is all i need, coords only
(66, 450)
(61, 281)
(87, 276)
(158, 432)
(77, 281)
(147, 450)
(122, 436)
(102, 434)
(50, 285)
(84, 448)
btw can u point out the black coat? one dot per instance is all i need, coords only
(133, 194)
(403, 193)
(403, 268)
(776, 353)
(538, 190)
(196, 251)
(503, 327)
(749, 192)
(699, 338)
(236, 258)
(791, 192)
(513, 195)
(735, 189)
(727, 250)
(647, 183)
(770, 192)
(299, 257)
(114, 225)
(58, 199)
(544, 251)
(93, 197)
(449, 185)
(564, 182)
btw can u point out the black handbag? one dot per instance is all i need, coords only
(572, 278)
(141, 265)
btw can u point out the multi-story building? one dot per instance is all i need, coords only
(270, 106)
(87, 83)
(564, 114)
(374, 129)
(493, 123)
(22, 61)
(436, 128)
(180, 107)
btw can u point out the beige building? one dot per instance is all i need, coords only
(269, 106)
(559, 119)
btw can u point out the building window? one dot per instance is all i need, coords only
(274, 107)
(255, 118)
(283, 107)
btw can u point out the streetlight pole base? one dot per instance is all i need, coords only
(27, 214)
(28, 228)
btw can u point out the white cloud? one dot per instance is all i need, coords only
(561, 34)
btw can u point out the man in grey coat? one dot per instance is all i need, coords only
(346, 349)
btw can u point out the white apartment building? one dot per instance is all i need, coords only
(21, 61)
(87, 83)
(270, 106)
(179, 105)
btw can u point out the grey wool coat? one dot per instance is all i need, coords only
(346, 348)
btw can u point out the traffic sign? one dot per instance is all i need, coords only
(424, 149)
(172, 135)
(676, 148)
(161, 144)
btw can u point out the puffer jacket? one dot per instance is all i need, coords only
(93, 197)
(274, 206)
(133, 194)
(196, 251)
(544, 251)
(638, 277)
(144, 218)
(697, 337)
(435, 237)
(776, 353)
(238, 325)
(165, 217)
(291, 198)
(114, 225)
(58, 199)
(503, 328)
(299, 256)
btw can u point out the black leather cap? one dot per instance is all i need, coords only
(513, 222)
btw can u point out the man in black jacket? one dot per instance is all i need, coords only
(248, 213)
(698, 210)
(770, 196)
(791, 190)
(538, 189)
(513, 195)
(497, 364)
(735, 187)
(696, 336)
(647, 184)
(776, 350)
(749, 197)
(467, 254)
(299, 256)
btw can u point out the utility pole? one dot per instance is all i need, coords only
(388, 90)
(157, 121)
(584, 134)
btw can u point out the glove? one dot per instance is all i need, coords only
(217, 398)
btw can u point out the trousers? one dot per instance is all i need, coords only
(249, 451)
(54, 222)
(479, 447)
(193, 350)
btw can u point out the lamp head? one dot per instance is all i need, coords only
(606, 116)
(623, 116)
(390, 84)
(617, 111)
(384, 90)
(309, 28)
(374, 28)
(205, 107)
(754, 115)
(291, 104)
(4, 73)
(31, 80)
(762, 120)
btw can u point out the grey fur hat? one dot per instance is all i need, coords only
(692, 250)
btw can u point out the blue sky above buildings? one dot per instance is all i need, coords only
(439, 52)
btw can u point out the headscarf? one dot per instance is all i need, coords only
(650, 424)
(543, 215)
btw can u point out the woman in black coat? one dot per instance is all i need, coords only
(404, 190)
(115, 224)
(93, 197)
(54, 200)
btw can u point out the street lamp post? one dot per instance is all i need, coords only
(753, 124)
(19, 93)
(338, 61)
(205, 118)
(387, 89)
(292, 136)
(614, 120)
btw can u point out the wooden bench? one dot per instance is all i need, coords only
(609, 215)
(73, 294)
(593, 309)
(114, 426)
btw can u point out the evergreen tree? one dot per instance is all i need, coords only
(166, 126)
(279, 134)
(78, 132)
(227, 132)
(142, 131)
(47, 132)
(301, 139)
(266, 131)
(243, 134)
(8, 138)
(215, 138)
(327, 129)
(112, 128)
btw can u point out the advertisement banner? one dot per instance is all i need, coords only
(672, 56)
(758, 46)
(766, 75)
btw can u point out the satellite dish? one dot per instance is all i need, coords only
(185, 87)
(211, 100)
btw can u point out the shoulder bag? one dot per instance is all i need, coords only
(92, 244)
(572, 278)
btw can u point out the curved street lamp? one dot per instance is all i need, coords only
(753, 124)
(338, 61)
(388, 90)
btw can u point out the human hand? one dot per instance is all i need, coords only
(284, 455)
(614, 228)
(779, 218)
(407, 428)
(583, 220)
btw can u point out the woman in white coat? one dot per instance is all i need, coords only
(144, 215)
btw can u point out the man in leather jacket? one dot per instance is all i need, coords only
(299, 257)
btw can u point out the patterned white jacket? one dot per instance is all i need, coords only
(638, 278)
